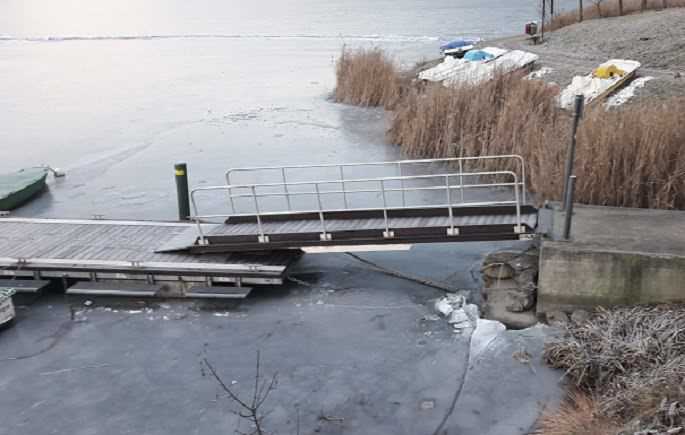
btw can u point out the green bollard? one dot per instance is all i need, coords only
(181, 171)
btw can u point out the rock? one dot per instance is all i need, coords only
(496, 308)
(527, 278)
(580, 316)
(520, 301)
(498, 271)
(677, 75)
(557, 318)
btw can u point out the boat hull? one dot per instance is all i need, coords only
(23, 192)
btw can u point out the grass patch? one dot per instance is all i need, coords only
(609, 8)
(631, 362)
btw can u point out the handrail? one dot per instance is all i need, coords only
(399, 164)
(382, 190)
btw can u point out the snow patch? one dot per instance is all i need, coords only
(539, 73)
(627, 93)
(486, 332)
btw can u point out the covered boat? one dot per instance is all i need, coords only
(19, 187)
(605, 79)
(458, 47)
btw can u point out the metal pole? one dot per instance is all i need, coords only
(570, 158)
(569, 206)
(542, 22)
(580, 11)
(181, 171)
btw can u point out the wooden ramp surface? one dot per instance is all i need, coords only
(99, 246)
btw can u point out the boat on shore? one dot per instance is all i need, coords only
(18, 188)
(458, 47)
(596, 86)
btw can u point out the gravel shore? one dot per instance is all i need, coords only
(656, 39)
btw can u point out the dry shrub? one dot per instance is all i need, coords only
(578, 415)
(608, 8)
(367, 77)
(632, 360)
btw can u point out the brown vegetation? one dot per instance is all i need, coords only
(576, 416)
(632, 157)
(358, 75)
(609, 8)
(632, 362)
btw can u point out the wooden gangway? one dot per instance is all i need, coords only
(408, 201)
(101, 257)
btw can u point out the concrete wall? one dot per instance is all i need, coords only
(573, 277)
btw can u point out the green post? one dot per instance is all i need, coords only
(181, 171)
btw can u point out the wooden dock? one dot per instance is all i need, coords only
(111, 257)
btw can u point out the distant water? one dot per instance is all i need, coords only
(116, 91)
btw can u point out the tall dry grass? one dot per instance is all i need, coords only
(632, 157)
(368, 77)
(578, 415)
(608, 8)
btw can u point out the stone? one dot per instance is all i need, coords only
(458, 316)
(449, 303)
(580, 316)
(498, 271)
(496, 309)
(520, 301)
(557, 318)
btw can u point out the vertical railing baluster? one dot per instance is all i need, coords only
(324, 234)
(461, 179)
(342, 181)
(519, 228)
(262, 237)
(196, 218)
(285, 189)
(387, 233)
(451, 230)
(399, 169)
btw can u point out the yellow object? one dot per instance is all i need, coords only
(180, 172)
(608, 72)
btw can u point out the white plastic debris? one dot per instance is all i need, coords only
(88, 303)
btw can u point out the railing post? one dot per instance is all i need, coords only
(181, 174)
(342, 181)
(196, 218)
(569, 207)
(451, 231)
(387, 233)
(519, 228)
(262, 237)
(285, 189)
(324, 234)
(571, 156)
(399, 169)
(230, 190)
(461, 179)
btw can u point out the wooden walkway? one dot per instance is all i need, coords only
(127, 251)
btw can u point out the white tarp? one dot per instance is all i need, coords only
(478, 72)
(592, 87)
(451, 65)
(453, 72)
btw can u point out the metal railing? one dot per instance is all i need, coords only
(400, 166)
(381, 186)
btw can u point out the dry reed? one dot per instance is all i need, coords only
(367, 77)
(608, 8)
(577, 415)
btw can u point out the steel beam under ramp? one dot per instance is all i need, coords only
(443, 200)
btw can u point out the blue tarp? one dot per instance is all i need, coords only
(478, 55)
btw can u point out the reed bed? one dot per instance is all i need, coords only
(609, 8)
(630, 157)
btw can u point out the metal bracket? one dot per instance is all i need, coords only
(388, 234)
(325, 237)
(453, 231)
(528, 236)
(519, 229)
(263, 239)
